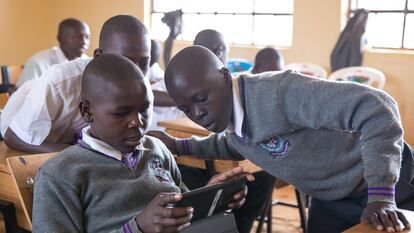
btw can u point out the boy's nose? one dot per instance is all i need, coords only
(136, 122)
(199, 112)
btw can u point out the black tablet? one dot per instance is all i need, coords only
(213, 199)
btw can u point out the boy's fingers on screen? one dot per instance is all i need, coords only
(176, 212)
(176, 221)
(403, 219)
(163, 199)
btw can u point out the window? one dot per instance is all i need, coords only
(390, 22)
(253, 22)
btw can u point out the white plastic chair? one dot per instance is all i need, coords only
(308, 69)
(360, 74)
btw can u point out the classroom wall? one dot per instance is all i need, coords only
(29, 26)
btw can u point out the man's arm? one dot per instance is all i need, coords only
(14, 142)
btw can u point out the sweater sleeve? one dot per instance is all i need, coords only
(214, 146)
(56, 206)
(130, 227)
(346, 106)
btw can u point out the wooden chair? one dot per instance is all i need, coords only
(308, 69)
(23, 170)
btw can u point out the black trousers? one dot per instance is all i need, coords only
(339, 215)
(257, 191)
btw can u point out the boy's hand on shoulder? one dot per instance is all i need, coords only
(238, 197)
(167, 139)
(159, 216)
(385, 216)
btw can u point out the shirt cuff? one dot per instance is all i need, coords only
(26, 136)
(131, 227)
(383, 193)
(182, 146)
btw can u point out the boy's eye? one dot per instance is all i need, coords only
(183, 109)
(202, 99)
(120, 114)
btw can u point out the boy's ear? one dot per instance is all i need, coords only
(85, 110)
(219, 51)
(97, 52)
(226, 74)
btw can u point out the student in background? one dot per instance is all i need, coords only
(49, 119)
(340, 142)
(115, 179)
(73, 36)
(268, 59)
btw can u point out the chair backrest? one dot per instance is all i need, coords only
(360, 74)
(308, 69)
(23, 170)
(10, 74)
(238, 65)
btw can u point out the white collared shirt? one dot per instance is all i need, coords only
(238, 113)
(50, 108)
(40, 62)
(103, 147)
(161, 113)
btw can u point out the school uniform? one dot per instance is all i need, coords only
(40, 62)
(331, 140)
(92, 187)
(50, 110)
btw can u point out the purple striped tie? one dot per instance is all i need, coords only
(132, 160)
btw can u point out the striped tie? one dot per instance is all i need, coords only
(132, 159)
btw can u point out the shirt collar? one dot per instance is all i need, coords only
(60, 55)
(238, 113)
(103, 147)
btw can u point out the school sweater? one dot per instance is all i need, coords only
(80, 190)
(329, 139)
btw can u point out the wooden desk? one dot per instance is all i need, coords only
(368, 228)
(185, 128)
(8, 190)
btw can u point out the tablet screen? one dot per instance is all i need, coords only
(212, 199)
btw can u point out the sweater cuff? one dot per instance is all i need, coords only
(383, 193)
(182, 146)
(131, 227)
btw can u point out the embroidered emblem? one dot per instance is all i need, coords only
(160, 173)
(276, 146)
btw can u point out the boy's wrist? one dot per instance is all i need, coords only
(182, 146)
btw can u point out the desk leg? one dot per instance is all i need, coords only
(210, 167)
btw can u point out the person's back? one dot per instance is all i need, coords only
(73, 36)
(339, 142)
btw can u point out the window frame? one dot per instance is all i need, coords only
(405, 11)
(229, 13)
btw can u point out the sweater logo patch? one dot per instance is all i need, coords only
(160, 173)
(276, 146)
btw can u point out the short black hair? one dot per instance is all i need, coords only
(121, 24)
(69, 24)
(104, 71)
(266, 54)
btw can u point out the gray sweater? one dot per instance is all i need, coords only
(328, 139)
(83, 191)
